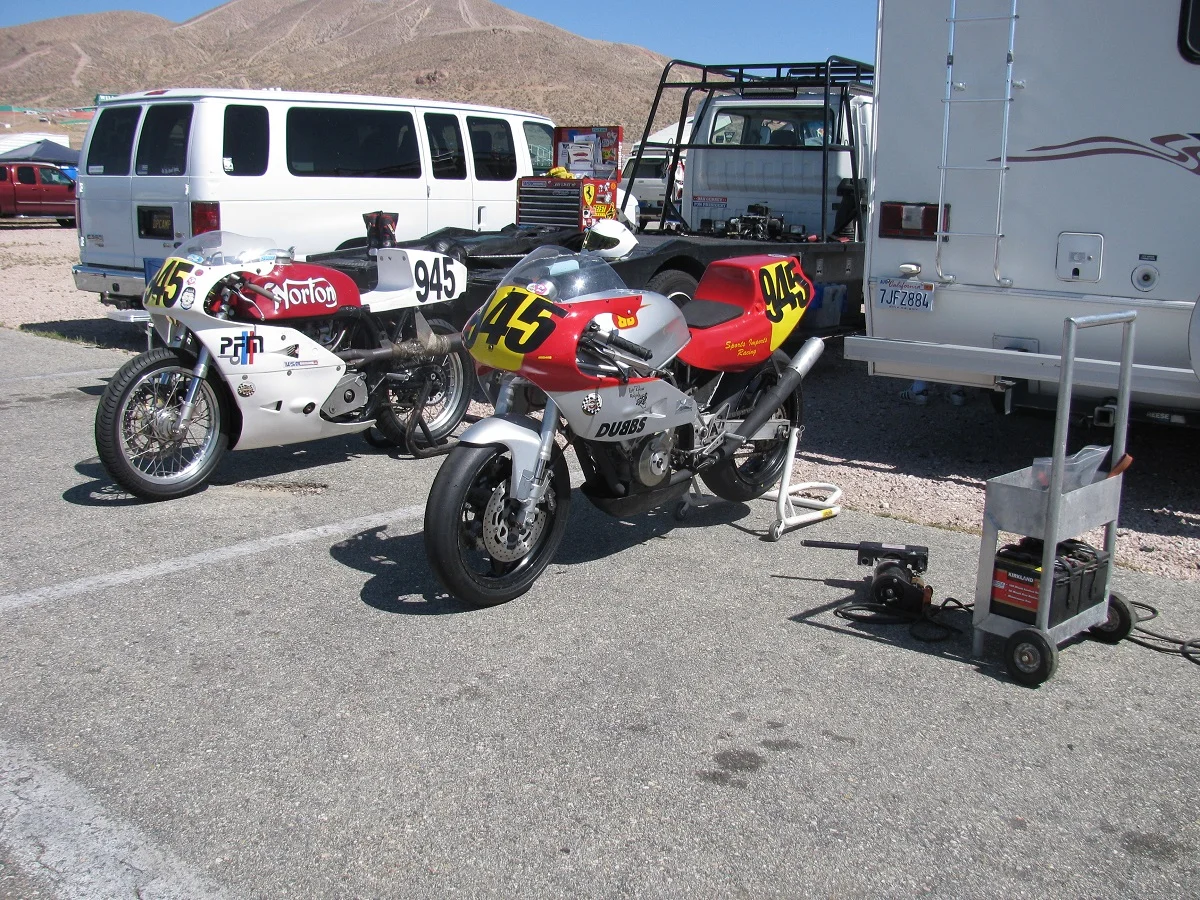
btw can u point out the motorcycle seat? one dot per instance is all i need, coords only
(702, 314)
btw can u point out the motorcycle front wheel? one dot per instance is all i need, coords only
(757, 465)
(475, 545)
(135, 423)
(449, 395)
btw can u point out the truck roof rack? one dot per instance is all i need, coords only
(838, 78)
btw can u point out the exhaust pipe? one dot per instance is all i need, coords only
(790, 378)
(426, 344)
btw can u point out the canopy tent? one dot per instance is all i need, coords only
(43, 151)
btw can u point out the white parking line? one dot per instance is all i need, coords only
(79, 374)
(170, 567)
(66, 842)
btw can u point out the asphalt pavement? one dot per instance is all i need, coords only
(261, 691)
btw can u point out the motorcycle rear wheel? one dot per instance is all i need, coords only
(474, 547)
(758, 465)
(449, 396)
(133, 421)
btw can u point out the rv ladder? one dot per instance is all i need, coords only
(949, 101)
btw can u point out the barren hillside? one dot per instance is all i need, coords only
(468, 50)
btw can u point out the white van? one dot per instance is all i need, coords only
(301, 168)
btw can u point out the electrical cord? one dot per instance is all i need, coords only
(1162, 643)
(924, 624)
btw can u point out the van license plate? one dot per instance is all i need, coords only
(898, 293)
(155, 223)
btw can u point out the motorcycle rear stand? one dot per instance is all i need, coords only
(788, 496)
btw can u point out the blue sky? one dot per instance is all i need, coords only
(705, 31)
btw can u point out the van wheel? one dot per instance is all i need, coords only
(67, 223)
(675, 284)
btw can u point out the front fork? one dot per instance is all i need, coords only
(199, 373)
(532, 486)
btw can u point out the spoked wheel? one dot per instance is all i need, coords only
(757, 465)
(136, 421)
(450, 378)
(1030, 657)
(476, 544)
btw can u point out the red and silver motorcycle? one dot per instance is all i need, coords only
(648, 395)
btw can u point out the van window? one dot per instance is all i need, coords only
(787, 127)
(540, 138)
(246, 142)
(352, 143)
(446, 146)
(162, 148)
(25, 175)
(112, 140)
(1189, 30)
(492, 149)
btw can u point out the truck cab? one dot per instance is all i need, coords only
(37, 190)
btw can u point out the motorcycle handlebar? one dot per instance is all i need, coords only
(612, 339)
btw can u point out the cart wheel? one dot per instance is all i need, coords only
(776, 531)
(1030, 657)
(1119, 623)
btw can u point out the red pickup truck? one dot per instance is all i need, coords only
(41, 190)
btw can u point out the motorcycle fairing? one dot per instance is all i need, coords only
(626, 411)
(520, 331)
(766, 295)
(274, 374)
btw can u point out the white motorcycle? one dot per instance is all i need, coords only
(261, 350)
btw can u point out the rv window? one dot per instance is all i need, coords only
(352, 143)
(112, 141)
(162, 148)
(246, 142)
(492, 149)
(653, 169)
(446, 146)
(1189, 30)
(540, 138)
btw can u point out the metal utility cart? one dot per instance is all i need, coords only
(1014, 503)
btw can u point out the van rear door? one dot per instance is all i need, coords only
(161, 215)
(106, 188)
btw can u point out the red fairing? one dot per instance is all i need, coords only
(302, 291)
(553, 366)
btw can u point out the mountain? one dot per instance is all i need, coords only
(463, 50)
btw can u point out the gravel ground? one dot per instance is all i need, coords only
(920, 464)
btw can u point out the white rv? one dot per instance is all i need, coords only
(1036, 160)
(301, 168)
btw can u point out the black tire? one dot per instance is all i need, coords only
(469, 491)
(447, 403)
(67, 223)
(137, 407)
(1030, 657)
(1120, 621)
(758, 465)
(674, 284)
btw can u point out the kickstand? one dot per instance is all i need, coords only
(693, 499)
(431, 447)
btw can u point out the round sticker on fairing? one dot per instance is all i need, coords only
(591, 404)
